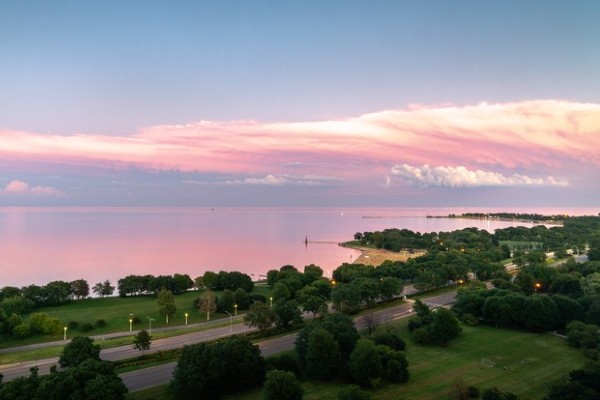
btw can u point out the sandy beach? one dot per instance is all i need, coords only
(376, 257)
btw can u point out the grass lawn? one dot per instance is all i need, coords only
(115, 311)
(518, 362)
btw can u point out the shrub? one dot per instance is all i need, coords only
(353, 392)
(284, 362)
(391, 340)
(52, 326)
(36, 322)
(100, 323)
(21, 331)
(73, 324)
(282, 385)
(86, 327)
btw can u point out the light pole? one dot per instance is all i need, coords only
(235, 309)
(230, 321)
(271, 301)
(150, 325)
(65, 333)
(130, 324)
(186, 317)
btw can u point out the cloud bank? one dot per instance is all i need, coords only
(483, 144)
(458, 177)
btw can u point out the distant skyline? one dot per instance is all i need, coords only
(312, 103)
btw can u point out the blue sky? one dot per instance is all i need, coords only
(111, 74)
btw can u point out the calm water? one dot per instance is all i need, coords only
(39, 245)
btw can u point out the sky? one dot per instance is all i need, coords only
(300, 103)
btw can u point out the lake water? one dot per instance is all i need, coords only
(39, 245)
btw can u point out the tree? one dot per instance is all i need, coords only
(390, 287)
(282, 385)
(226, 301)
(211, 369)
(207, 302)
(445, 327)
(323, 358)
(78, 350)
(142, 341)
(80, 288)
(103, 289)
(365, 364)
(287, 312)
(166, 304)
(281, 291)
(260, 316)
(16, 305)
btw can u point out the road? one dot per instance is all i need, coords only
(161, 374)
(148, 377)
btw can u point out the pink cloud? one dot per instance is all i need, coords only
(537, 136)
(17, 187)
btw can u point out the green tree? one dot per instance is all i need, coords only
(365, 364)
(281, 291)
(226, 301)
(287, 312)
(209, 370)
(207, 302)
(323, 358)
(445, 327)
(166, 304)
(282, 385)
(79, 349)
(80, 288)
(142, 341)
(260, 316)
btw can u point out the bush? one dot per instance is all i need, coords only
(100, 323)
(391, 340)
(21, 331)
(52, 326)
(36, 322)
(284, 362)
(73, 325)
(86, 327)
(282, 385)
(353, 392)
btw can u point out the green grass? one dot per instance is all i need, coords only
(525, 363)
(115, 312)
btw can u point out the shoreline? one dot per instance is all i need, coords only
(375, 257)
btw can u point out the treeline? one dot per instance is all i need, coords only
(326, 349)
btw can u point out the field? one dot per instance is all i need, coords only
(518, 362)
(116, 311)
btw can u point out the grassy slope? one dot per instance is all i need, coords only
(524, 364)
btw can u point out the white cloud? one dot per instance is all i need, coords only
(280, 180)
(456, 177)
(17, 187)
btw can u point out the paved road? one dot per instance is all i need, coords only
(149, 377)
(11, 371)
(153, 376)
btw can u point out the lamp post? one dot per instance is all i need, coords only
(271, 301)
(186, 317)
(65, 333)
(130, 324)
(235, 309)
(150, 325)
(230, 321)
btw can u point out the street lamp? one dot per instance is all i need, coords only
(65, 333)
(230, 321)
(186, 317)
(271, 301)
(150, 325)
(130, 324)
(235, 309)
